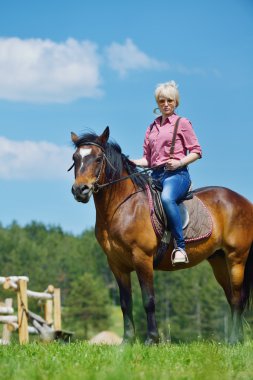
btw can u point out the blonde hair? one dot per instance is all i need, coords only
(168, 90)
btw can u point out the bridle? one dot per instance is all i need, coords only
(96, 186)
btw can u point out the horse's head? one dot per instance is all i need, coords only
(89, 163)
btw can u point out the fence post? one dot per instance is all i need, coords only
(22, 308)
(6, 337)
(57, 309)
(48, 307)
(48, 310)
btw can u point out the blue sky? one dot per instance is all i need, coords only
(71, 65)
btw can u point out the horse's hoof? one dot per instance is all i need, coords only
(150, 341)
(233, 341)
(127, 341)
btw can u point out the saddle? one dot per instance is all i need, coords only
(196, 219)
(156, 190)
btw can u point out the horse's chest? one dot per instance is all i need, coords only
(113, 248)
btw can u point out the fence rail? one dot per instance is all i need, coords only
(46, 326)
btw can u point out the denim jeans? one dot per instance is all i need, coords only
(175, 186)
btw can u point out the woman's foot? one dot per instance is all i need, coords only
(179, 256)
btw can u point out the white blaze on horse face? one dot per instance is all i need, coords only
(84, 152)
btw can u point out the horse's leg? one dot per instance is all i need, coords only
(219, 265)
(220, 270)
(125, 290)
(236, 271)
(230, 276)
(145, 273)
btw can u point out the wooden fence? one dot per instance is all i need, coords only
(49, 327)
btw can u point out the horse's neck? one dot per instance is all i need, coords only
(109, 200)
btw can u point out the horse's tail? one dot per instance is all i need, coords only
(247, 287)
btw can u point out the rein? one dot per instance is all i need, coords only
(172, 148)
(96, 186)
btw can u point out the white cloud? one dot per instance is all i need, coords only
(38, 70)
(33, 160)
(125, 57)
(182, 69)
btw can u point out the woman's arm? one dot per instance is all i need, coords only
(190, 143)
(173, 164)
(191, 157)
(140, 162)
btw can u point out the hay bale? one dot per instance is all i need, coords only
(106, 337)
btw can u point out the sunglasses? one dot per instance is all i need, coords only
(163, 101)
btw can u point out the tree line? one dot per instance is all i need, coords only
(190, 304)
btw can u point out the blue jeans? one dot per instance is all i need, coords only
(175, 187)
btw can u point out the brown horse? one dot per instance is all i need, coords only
(125, 233)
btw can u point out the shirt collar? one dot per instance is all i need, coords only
(171, 119)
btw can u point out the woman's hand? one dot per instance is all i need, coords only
(173, 164)
(176, 164)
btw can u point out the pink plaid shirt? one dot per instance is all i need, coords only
(158, 141)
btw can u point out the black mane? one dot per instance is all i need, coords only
(117, 159)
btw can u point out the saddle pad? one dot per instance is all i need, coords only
(200, 222)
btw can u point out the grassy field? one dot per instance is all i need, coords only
(197, 360)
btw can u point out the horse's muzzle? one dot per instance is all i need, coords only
(82, 193)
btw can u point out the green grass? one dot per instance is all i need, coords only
(199, 360)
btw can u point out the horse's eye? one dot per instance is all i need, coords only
(98, 160)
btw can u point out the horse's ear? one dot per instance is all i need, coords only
(105, 136)
(74, 137)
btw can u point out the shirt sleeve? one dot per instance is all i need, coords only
(189, 137)
(146, 147)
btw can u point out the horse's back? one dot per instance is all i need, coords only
(221, 194)
(231, 212)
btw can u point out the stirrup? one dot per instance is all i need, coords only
(182, 258)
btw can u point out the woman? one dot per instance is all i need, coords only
(171, 171)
